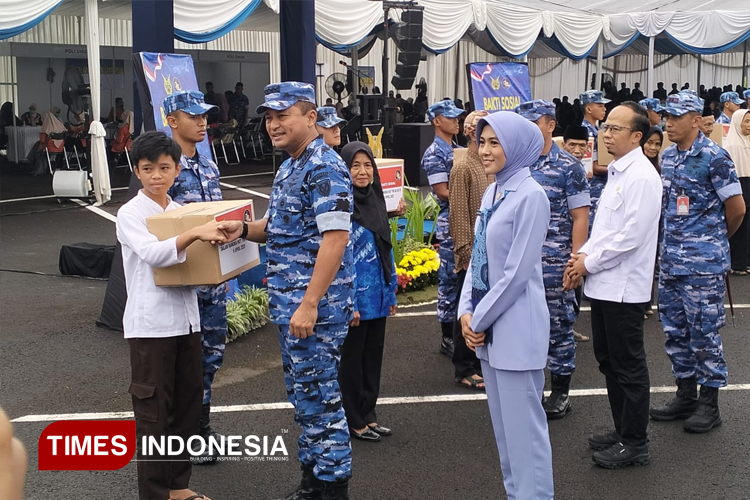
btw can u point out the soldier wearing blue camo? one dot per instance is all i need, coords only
(310, 283)
(702, 205)
(437, 163)
(594, 111)
(654, 109)
(730, 102)
(746, 96)
(564, 181)
(198, 181)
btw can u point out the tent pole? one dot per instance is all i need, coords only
(586, 81)
(744, 66)
(599, 62)
(700, 62)
(355, 71)
(650, 74)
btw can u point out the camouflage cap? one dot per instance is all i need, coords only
(730, 97)
(444, 108)
(593, 97)
(328, 117)
(683, 102)
(533, 110)
(281, 96)
(187, 101)
(652, 103)
(746, 94)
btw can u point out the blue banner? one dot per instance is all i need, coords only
(165, 74)
(499, 86)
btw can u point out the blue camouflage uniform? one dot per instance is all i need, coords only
(199, 181)
(727, 97)
(746, 95)
(695, 252)
(564, 181)
(328, 117)
(437, 163)
(311, 194)
(597, 182)
(653, 104)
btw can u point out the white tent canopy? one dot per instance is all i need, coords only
(576, 25)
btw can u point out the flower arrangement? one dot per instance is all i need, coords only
(248, 311)
(417, 270)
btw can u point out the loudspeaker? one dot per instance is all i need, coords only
(406, 71)
(409, 58)
(410, 141)
(402, 83)
(370, 105)
(408, 38)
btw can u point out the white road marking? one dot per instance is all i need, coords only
(583, 309)
(98, 211)
(445, 398)
(248, 191)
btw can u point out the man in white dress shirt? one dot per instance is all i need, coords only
(619, 261)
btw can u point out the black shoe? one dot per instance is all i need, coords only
(599, 442)
(366, 435)
(310, 488)
(621, 455)
(557, 405)
(337, 490)
(682, 405)
(379, 429)
(707, 415)
(446, 347)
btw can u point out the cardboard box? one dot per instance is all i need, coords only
(391, 172)
(206, 264)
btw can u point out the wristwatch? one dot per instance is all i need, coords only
(244, 230)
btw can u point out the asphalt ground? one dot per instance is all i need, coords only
(54, 360)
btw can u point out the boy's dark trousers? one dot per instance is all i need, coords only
(167, 390)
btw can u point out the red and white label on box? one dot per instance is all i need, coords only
(239, 252)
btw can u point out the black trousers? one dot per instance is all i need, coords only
(465, 362)
(739, 243)
(617, 329)
(359, 373)
(167, 390)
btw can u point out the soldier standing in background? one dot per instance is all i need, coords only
(702, 207)
(437, 163)
(198, 181)
(564, 181)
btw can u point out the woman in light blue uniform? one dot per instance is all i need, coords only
(375, 285)
(503, 309)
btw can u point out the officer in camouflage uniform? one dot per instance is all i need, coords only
(730, 102)
(564, 180)
(702, 206)
(199, 181)
(594, 111)
(654, 109)
(437, 163)
(310, 283)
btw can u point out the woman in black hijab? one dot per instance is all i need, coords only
(7, 119)
(651, 145)
(375, 296)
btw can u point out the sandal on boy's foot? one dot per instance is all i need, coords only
(735, 272)
(579, 337)
(366, 435)
(473, 383)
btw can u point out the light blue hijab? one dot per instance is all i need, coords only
(521, 140)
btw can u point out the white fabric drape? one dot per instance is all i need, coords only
(199, 16)
(446, 21)
(98, 159)
(345, 22)
(17, 13)
(515, 30)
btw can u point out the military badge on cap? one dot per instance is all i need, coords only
(281, 96)
(444, 108)
(187, 101)
(533, 110)
(328, 117)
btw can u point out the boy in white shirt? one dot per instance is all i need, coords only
(161, 324)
